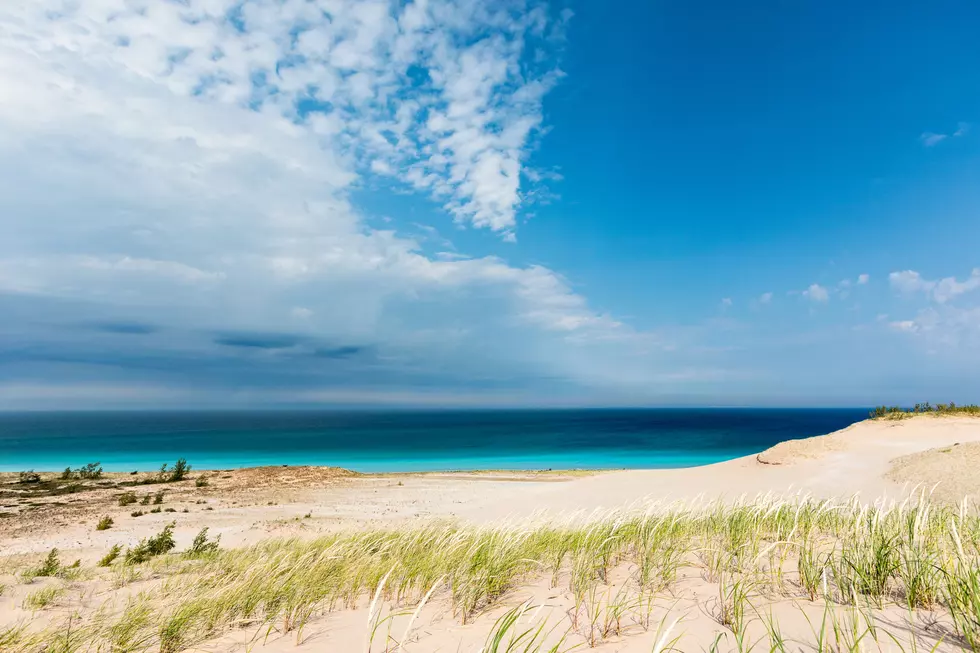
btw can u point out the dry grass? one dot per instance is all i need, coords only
(845, 556)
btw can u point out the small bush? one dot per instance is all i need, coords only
(180, 470)
(156, 510)
(137, 513)
(111, 556)
(30, 476)
(201, 545)
(67, 475)
(91, 471)
(159, 544)
(104, 524)
(127, 498)
(50, 566)
(170, 510)
(201, 481)
(158, 498)
(145, 501)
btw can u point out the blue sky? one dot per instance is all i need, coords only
(213, 203)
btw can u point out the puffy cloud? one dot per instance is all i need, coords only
(863, 279)
(441, 95)
(816, 293)
(941, 291)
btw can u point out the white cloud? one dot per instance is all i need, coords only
(765, 298)
(863, 279)
(941, 291)
(944, 326)
(816, 293)
(930, 139)
(449, 89)
(160, 161)
(907, 326)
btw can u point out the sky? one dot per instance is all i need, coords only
(461, 203)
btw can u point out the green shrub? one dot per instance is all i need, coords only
(127, 498)
(145, 501)
(201, 545)
(180, 470)
(50, 566)
(137, 513)
(201, 481)
(91, 471)
(30, 476)
(67, 475)
(159, 544)
(158, 498)
(111, 556)
(104, 524)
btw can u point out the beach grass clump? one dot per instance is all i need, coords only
(111, 556)
(127, 498)
(104, 524)
(42, 598)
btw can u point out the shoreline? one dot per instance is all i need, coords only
(302, 511)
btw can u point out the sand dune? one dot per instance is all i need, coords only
(872, 459)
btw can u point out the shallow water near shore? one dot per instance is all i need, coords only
(407, 441)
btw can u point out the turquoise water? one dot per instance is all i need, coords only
(385, 441)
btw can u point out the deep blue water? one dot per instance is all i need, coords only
(406, 441)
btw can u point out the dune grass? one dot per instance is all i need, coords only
(926, 408)
(914, 554)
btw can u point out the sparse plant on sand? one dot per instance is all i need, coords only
(105, 523)
(110, 557)
(850, 558)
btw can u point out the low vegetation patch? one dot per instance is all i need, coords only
(162, 542)
(105, 523)
(897, 412)
(847, 558)
(90, 472)
(111, 556)
(42, 598)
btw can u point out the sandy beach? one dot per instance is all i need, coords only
(871, 460)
